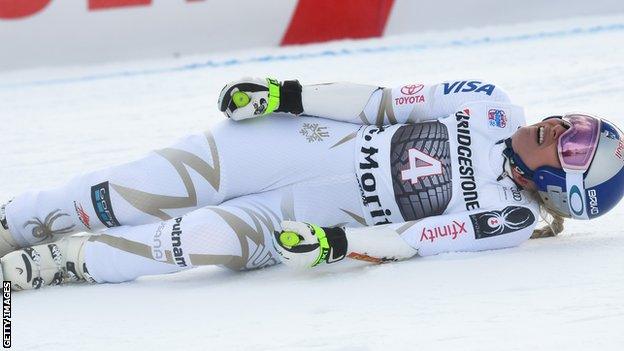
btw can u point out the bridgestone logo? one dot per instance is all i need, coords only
(464, 153)
(176, 243)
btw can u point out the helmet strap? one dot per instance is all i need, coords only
(514, 165)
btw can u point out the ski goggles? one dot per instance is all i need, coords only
(577, 145)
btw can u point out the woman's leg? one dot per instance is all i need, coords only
(231, 160)
(235, 234)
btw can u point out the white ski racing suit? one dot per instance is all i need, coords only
(429, 173)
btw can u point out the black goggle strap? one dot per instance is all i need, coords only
(515, 162)
(551, 117)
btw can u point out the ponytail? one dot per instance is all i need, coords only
(554, 222)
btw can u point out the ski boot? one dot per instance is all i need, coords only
(7, 243)
(47, 264)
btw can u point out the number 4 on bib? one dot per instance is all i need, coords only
(420, 165)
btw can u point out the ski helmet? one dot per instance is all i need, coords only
(591, 181)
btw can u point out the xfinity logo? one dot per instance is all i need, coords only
(451, 230)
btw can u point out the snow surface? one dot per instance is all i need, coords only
(563, 293)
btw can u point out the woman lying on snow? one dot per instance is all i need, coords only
(378, 175)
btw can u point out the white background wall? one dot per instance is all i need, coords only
(66, 32)
(410, 15)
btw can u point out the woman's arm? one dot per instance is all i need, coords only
(354, 103)
(467, 231)
(411, 103)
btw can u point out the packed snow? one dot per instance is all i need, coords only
(563, 293)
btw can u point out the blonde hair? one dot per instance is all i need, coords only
(553, 220)
(554, 224)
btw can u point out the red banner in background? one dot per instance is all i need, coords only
(322, 20)
(14, 9)
(108, 4)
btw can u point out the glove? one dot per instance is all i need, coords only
(253, 97)
(303, 245)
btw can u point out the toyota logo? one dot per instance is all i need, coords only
(412, 89)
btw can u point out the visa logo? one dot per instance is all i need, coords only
(466, 86)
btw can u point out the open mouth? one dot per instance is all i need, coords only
(540, 135)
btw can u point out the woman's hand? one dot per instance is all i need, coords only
(254, 97)
(249, 97)
(303, 245)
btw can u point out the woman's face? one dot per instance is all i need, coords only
(537, 144)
